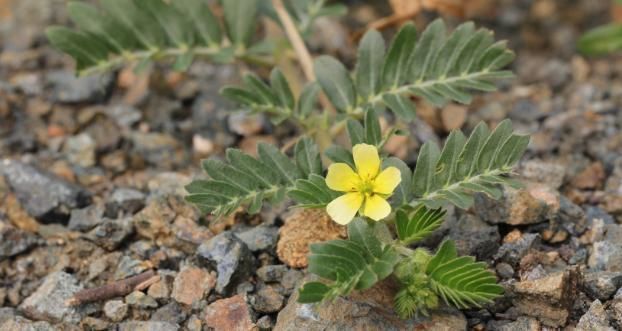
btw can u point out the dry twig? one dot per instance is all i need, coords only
(114, 289)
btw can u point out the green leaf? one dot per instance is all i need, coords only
(336, 82)
(478, 164)
(340, 154)
(308, 98)
(370, 60)
(395, 69)
(312, 192)
(461, 281)
(240, 20)
(243, 180)
(356, 263)
(137, 31)
(356, 132)
(602, 40)
(437, 67)
(373, 133)
(308, 157)
(281, 87)
(415, 226)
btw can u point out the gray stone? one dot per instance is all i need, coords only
(14, 241)
(43, 195)
(140, 300)
(129, 266)
(172, 313)
(606, 255)
(473, 236)
(516, 207)
(48, 301)
(504, 270)
(595, 318)
(371, 309)
(18, 323)
(125, 200)
(548, 173)
(512, 252)
(115, 310)
(147, 326)
(265, 323)
(602, 284)
(68, 88)
(267, 300)
(6, 313)
(521, 324)
(549, 299)
(111, 233)
(245, 124)
(291, 279)
(157, 149)
(259, 238)
(125, 116)
(86, 218)
(271, 273)
(230, 257)
(80, 150)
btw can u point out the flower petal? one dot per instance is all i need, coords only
(376, 207)
(366, 160)
(343, 209)
(342, 178)
(387, 181)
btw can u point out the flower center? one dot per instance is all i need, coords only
(366, 186)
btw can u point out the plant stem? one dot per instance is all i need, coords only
(304, 57)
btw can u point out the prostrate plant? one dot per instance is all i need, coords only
(363, 188)
(604, 39)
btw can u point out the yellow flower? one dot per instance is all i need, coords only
(366, 190)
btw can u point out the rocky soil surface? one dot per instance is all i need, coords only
(92, 172)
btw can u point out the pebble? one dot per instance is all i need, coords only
(111, 233)
(43, 195)
(14, 241)
(245, 124)
(115, 310)
(68, 88)
(516, 207)
(48, 301)
(602, 285)
(140, 300)
(232, 313)
(504, 270)
(606, 255)
(271, 273)
(512, 252)
(267, 300)
(194, 323)
(595, 318)
(147, 326)
(159, 150)
(80, 150)
(154, 221)
(18, 323)
(230, 257)
(125, 200)
(259, 238)
(192, 284)
(85, 219)
(171, 312)
(549, 299)
(265, 323)
(475, 237)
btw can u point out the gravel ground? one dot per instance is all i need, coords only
(92, 173)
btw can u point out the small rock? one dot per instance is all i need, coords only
(301, 229)
(172, 313)
(48, 301)
(267, 300)
(154, 221)
(606, 255)
(291, 279)
(549, 299)
(202, 146)
(115, 310)
(86, 218)
(230, 257)
(18, 323)
(516, 207)
(140, 300)
(245, 124)
(271, 273)
(602, 284)
(194, 323)
(14, 241)
(125, 200)
(505, 271)
(192, 284)
(521, 324)
(265, 323)
(595, 319)
(158, 149)
(547, 173)
(111, 233)
(159, 290)
(259, 238)
(147, 326)
(512, 252)
(232, 314)
(371, 309)
(129, 266)
(43, 195)
(94, 324)
(69, 88)
(473, 236)
(125, 116)
(80, 150)
(592, 177)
